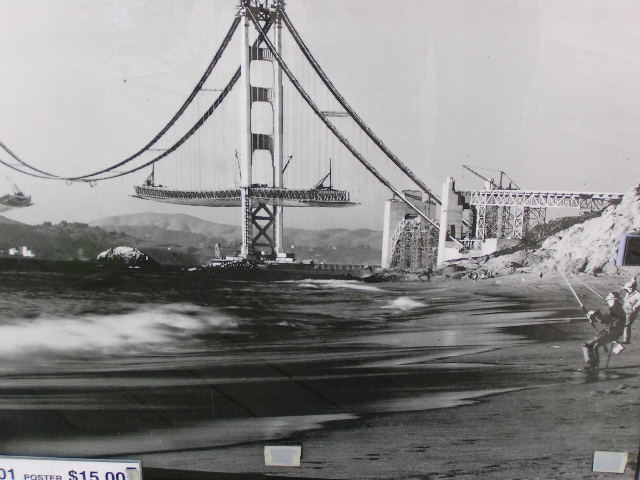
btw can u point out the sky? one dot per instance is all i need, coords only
(547, 90)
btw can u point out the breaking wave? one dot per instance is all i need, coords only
(404, 304)
(337, 284)
(156, 326)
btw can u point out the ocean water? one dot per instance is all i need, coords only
(150, 364)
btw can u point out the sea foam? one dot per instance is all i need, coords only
(404, 304)
(151, 326)
(338, 284)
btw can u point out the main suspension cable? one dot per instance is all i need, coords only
(325, 79)
(165, 129)
(182, 139)
(195, 127)
(330, 125)
(17, 159)
(181, 110)
(31, 174)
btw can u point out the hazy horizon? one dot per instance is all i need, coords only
(96, 221)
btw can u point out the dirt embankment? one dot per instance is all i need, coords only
(582, 244)
(586, 244)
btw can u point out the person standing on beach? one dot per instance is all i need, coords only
(631, 308)
(613, 322)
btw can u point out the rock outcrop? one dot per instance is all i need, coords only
(587, 246)
(125, 256)
(592, 246)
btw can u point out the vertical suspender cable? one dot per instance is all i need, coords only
(183, 107)
(185, 137)
(223, 94)
(331, 127)
(352, 113)
(164, 130)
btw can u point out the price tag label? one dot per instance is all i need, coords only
(38, 468)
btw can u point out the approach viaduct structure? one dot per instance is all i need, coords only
(480, 221)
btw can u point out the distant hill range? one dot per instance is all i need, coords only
(8, 221)
(179, 239)
(198, 237)
(64, 241)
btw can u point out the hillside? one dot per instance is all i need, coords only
(65, 241)
(230, 234)
(179, 239)
(179, 222)
(586, 244)
(198, 237)
(591, 247)
(9, 221)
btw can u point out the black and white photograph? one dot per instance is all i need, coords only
(320, 239)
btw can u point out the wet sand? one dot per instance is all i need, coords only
(549, 431)
(431, 380)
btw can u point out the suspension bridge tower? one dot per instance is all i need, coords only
(262, 197)
(258, 218)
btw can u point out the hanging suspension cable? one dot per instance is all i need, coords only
(181, 110)
(165, 129)
(15, 157)
(331, 127)
(31, 174)
(183, 139)
(316, 66)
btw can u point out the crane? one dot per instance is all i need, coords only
(320, 185)
(492, 184)
(15, 200)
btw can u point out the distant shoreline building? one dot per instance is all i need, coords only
(19, 252)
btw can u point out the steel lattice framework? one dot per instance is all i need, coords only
(414, 245)
(510, 213)
(541, 199)
(232, 197)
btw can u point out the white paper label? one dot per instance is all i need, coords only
(38, 468)
(611, 462)
(282, 456)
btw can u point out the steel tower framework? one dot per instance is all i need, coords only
(261, 204)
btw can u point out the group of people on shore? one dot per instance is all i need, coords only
(616, 322)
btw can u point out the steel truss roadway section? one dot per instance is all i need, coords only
(332, 127)
(232, 197)
(541, 199)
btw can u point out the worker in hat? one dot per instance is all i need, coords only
(612, 321)
(631, 307)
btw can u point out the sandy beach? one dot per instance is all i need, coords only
(547, 432)
(410, 380)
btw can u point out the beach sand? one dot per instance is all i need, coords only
(547, 432)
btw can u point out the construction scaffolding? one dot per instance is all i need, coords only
(414, 245)
(506, 222)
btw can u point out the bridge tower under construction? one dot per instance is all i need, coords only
(261, 198)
